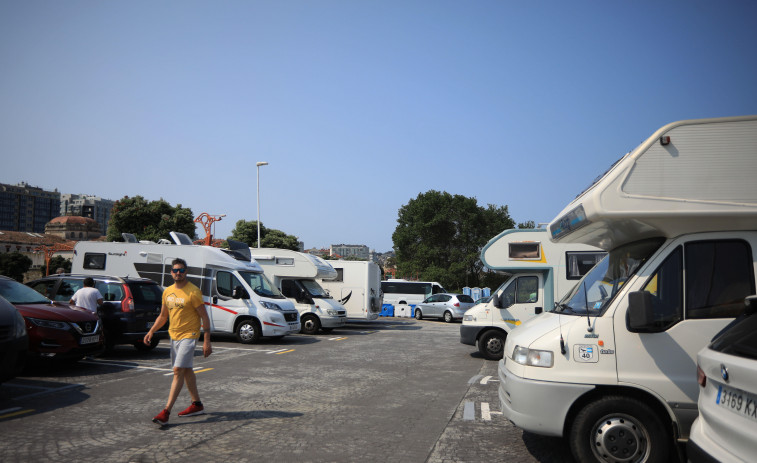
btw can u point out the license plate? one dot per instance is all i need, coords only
(737, 401)
(90, 339)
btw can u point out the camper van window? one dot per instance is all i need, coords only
(314, 288)
(719, 275)
(528, 290)
(225, 283)
(339, 275)
(285, 261)
(666, 289)
(579, 263)
(94, 261)
(525, 251)
(261, 285)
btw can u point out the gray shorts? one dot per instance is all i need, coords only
(183, 353)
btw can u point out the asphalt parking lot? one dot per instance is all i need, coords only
(393, 390)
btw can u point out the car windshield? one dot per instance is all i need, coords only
(314, 289)
(261, 285)
(16, 293)
(595, 291)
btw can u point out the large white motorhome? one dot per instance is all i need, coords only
(613, 369)
(357, 286)
(541, 273)
(295, 274)
(238, 296)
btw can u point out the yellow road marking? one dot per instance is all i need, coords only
(285, 352)
(206, 369)
(20, 412)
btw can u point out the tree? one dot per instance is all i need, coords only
(149, 220)
(527, 224)
(14, 265)
(439, 237)
(247, 232)
(60, 262)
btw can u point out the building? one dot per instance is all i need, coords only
(25, 208)
(27, 243)
(359, 251)
(74, 228)
(90, 206)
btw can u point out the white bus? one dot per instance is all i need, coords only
(398, 291)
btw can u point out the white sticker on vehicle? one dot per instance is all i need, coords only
(585, 353)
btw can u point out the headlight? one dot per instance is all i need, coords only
(533, 357)
(49, 324)
(19, 327)
(271, 306)
(467, 318)
(332, 312)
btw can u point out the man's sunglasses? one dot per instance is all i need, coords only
(178, 270)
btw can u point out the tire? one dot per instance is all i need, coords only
(310, 324)
(448, 317)
(248, 331)
(142, 347)
(418, 314)
(617, 428)
(492, 344)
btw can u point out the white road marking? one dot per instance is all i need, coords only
(474, 379)
(469, 412)
(486, 380)
(486, 413)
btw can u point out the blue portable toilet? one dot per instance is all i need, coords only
(486, 292)
(466, 291)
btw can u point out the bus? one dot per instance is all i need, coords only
(397, 291)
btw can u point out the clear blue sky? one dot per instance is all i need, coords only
(358, 106)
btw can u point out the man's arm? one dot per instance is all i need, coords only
(206, 348)
(159, 322)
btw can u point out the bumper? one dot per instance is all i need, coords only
(469, 334)
(12, 357)
(333, 322)
(537, 406)
(702, 448)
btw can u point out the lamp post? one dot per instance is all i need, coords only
(258, 164)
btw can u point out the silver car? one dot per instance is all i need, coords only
(448, 306)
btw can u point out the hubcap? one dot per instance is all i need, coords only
(309, 325)
(494, 345)
(620, 439)
(246, 332)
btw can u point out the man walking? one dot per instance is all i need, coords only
(87, 296)
(184, 308)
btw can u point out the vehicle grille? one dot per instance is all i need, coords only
(290, 316)
(90, 327)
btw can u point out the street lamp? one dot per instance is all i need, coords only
(258, 164)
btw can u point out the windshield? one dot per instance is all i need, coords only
(16, 293)
(595, 291)
(314, 289)
(261, 285)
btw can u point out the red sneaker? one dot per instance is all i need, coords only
(193, 410)
(161, 419)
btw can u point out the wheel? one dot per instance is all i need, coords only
(310, 324)
(418, 314)
(448, 317)
(492, 345)
(248, 331)
(616, 428)
(142, 347)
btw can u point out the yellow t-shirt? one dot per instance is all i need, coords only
(184, 321)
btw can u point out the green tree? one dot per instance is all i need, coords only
(14, 265)
(60, 262)
(149, 220)
(530, 224)
(247, 232)
(439, 237)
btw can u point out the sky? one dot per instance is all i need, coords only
(358, 106)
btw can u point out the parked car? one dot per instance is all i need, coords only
(129, 309)
(14, 342)
(447, 306)
(726, 429)
(55, 330)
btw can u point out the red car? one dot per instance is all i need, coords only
(55, 330)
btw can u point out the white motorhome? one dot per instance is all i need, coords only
(541, 273)
(357, 286)
(238, 296)
(295, 274)
(613, 369)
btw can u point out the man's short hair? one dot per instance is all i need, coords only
(179, 261)
(89, 282)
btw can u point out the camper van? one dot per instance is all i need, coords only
(613, 368)
(357, 287)
(541, 272)
(295, 274)
(238, 296)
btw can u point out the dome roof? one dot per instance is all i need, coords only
(73, 219)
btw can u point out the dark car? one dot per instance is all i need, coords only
(55, 330)
(130, 305)
(14, 342)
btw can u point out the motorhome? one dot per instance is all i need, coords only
(357, 287)
(238, 296)
(404, 292)
(613, 368)
(540, 273)
(295, 274)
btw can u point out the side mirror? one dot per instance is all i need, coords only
(239, 293)
(639, 317)
(496, 302)
(751, 305)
